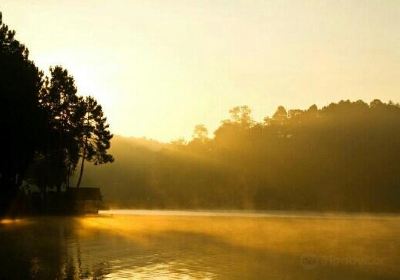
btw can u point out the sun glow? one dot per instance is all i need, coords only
(160, 68)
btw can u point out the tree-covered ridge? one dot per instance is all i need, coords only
(340, 157)
(46, 126)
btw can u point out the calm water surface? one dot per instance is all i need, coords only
(201, 245)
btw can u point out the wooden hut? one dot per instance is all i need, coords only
(85, 200)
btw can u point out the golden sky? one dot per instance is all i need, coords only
(160, 67)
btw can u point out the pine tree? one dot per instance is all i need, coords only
(95, 135)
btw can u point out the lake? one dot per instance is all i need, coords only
(128, 244)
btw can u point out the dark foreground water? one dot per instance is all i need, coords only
(201, 245)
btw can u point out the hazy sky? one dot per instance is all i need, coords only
(160, 67)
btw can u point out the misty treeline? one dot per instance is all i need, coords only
(344, 156)
(46, 127)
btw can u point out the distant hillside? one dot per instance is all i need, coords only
(344, 156)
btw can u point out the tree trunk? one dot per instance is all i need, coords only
(83, 156)
(81, 171)
(67, 177)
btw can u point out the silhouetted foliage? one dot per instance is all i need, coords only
(78, 127)
(94, 136)
(21, 121)
(59, 99)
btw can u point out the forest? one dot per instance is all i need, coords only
(342, 157)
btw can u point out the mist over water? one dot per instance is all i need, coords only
(128, 244)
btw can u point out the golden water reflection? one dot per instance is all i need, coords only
(162, 245)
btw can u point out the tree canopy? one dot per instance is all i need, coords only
(43, 122)
(21, 120)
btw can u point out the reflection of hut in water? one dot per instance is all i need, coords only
(85, 199)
